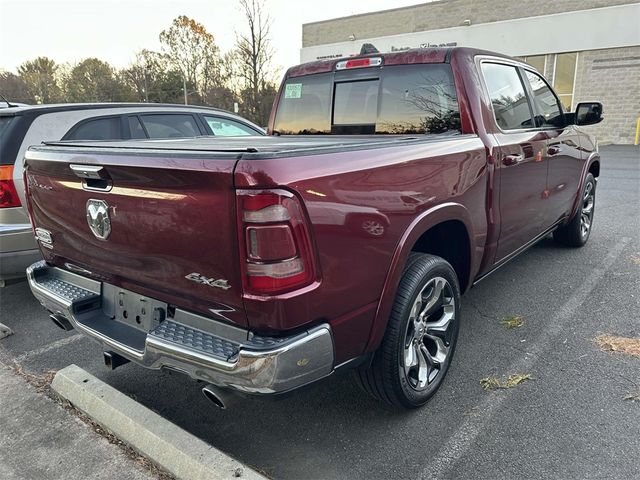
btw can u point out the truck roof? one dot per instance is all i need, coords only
(405, 57)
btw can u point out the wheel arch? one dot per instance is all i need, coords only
(591, 165)
(426, 234)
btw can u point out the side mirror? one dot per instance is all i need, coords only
(588, 113)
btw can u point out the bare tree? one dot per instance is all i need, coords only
(190, 47)
(254, 55)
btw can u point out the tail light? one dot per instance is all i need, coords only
(8, 193)
(276, 253)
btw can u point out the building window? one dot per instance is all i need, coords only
(564, 78)
(539, 62)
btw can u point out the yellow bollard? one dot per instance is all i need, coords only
(637, 131)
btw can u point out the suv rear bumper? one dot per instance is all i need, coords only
(215, 352)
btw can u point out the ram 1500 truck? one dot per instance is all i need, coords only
(389, 185)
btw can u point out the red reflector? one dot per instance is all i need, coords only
(8, 193)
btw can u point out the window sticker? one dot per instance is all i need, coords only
(293, 90)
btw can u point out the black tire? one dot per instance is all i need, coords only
(573, 233)
(389, 378)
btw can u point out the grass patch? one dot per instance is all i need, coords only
(495, 383)
(516, 321)
(613, 343)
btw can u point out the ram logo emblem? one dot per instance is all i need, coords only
(98, 218)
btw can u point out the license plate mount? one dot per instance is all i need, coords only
(133, 309)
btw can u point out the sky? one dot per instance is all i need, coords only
(70, 30)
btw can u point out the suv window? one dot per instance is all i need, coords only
(510, 105)
(223, 127)
(103, 128)
(170, 125)
(548, 112)
(135, 127)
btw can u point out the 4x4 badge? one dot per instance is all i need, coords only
(211, 282)
(98, 218)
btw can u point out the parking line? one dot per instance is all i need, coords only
(464, 437)
(51, 346)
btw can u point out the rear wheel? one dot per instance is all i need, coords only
(577, 231)
(421, 335)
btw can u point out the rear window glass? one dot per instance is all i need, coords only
(355, 103)
(418, 99)
(305, 106)
(399, 99)
(97, 129)
(5, 134)
(4, 124)
(170, 126)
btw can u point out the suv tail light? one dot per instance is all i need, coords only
(8, 193)
(276, 253)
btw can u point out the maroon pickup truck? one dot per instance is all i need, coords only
(390, 184)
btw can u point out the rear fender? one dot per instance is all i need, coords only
(420, 225)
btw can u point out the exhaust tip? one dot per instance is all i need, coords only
(212, 394)
(61, 322)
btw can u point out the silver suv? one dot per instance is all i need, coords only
(23, 126)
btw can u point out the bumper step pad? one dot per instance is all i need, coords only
(197, 340)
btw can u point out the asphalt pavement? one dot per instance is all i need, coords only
(570, 421)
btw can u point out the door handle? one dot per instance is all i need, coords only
(94, 177)
(553, 150)
(512, 159)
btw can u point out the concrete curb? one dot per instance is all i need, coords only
(167, 445)
(5, 331)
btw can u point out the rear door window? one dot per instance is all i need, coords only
(170, 125)
(103, 128)
(135, 128)
(224, 127)
(510, 105)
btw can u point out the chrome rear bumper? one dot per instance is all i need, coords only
(200, 347)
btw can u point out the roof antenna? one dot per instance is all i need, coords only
(368, 48)
(9, 104)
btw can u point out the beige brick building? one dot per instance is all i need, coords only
(588, 49)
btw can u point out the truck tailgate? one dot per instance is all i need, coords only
(172, 222)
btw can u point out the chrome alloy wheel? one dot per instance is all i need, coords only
(427, 339)
(586, 215)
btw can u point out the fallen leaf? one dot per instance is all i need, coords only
(515, 321)
(614, 343)
(494, 383)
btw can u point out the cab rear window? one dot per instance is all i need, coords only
(399, 99)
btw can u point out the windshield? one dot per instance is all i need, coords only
(399, 99)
